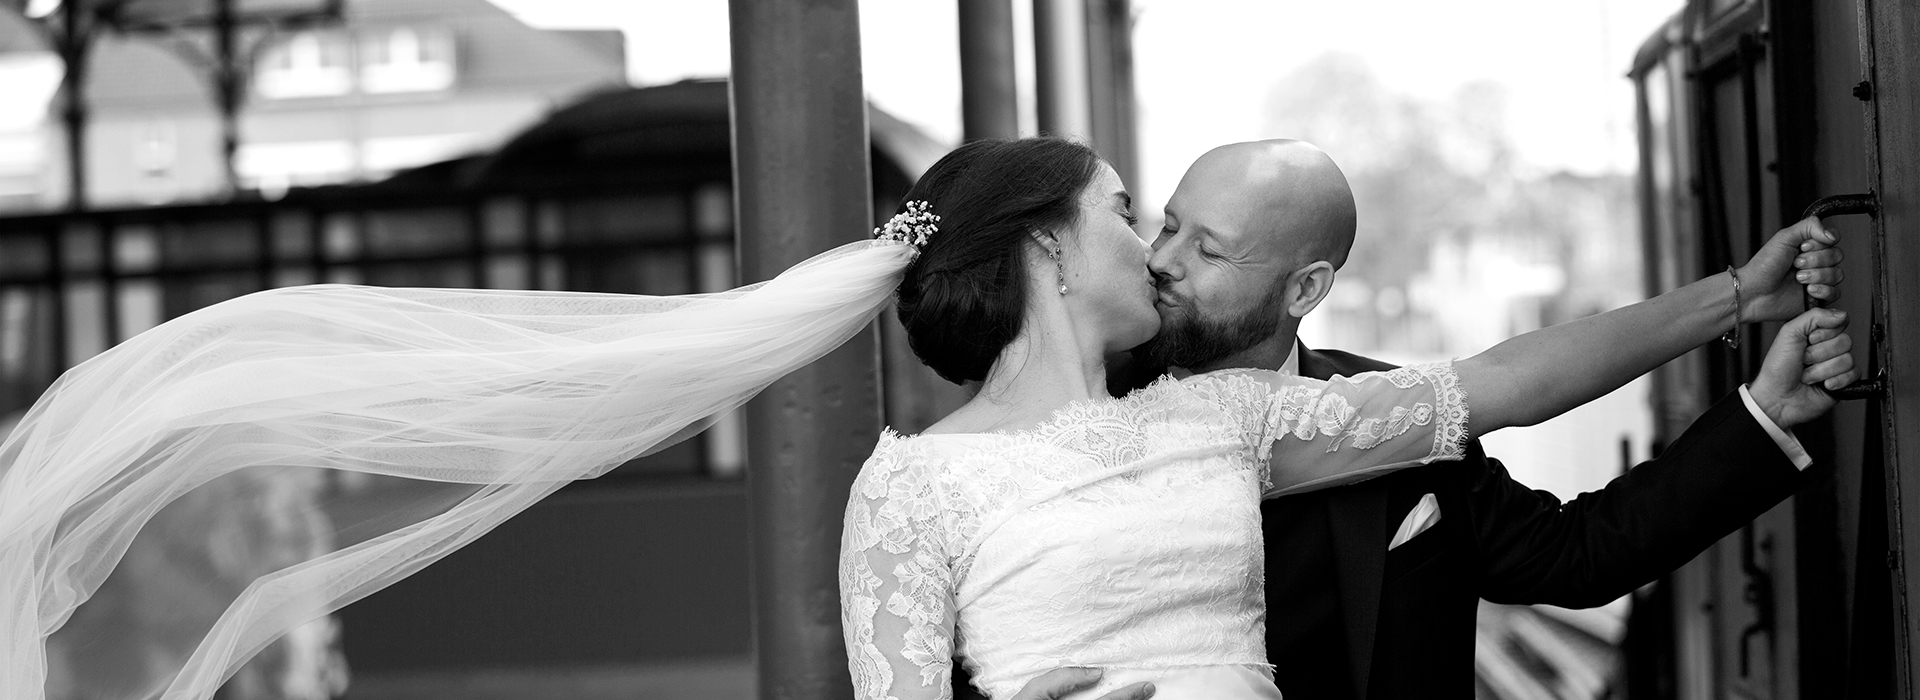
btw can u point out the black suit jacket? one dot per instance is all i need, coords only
(1404, 619)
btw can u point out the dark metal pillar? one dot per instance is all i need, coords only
(1110, 86)
(227, 84)
(1060, 68)
(989, 97)
(73, 41)
(801, 186)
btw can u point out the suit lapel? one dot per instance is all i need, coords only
(1358, 522)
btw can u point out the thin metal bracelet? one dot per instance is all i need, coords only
(1732, 336)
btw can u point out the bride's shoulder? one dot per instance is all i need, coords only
(915, 466)
(897, 452)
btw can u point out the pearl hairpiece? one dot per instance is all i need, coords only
(912, 226)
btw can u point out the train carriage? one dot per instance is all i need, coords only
(1750, 111)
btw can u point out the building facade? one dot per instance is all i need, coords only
(395, 84)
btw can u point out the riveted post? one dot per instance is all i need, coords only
(802, 185)
(1060, 68)
(989, 102)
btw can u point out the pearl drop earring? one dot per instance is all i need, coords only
(1060, 268)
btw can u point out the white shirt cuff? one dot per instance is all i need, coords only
(1784, 438)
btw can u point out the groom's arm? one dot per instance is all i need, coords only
(1724, 471)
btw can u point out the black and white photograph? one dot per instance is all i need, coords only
(959, 350)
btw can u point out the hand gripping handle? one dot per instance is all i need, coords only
(1845, 205)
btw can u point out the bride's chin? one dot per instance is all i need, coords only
(1135, 336)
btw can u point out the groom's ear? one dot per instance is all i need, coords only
(1307, 287)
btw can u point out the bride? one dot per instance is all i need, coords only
(1043, 525)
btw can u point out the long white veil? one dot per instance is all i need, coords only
(491, 399)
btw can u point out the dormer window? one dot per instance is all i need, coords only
(406, 59)
(308, 64)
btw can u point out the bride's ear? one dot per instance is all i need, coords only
(1048, 242)
(1307, 287)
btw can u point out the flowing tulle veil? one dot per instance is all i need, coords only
(490, 399)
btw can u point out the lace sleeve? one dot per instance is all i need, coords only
(1316, 434)
(896, 581)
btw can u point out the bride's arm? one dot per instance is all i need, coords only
(896, 586)
(1316, 434)
(1535, 376)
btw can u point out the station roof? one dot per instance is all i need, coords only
(634, 134)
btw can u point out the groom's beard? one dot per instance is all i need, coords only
(1191, 338)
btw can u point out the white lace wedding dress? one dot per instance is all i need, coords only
(1121, 534)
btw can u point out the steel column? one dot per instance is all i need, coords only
(989, 98)
(1060, 68)
(73, 42)
(1110, 86)
(802, 185)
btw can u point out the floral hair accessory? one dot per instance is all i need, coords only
(912, 226)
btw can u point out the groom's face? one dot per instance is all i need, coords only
(1220, 283)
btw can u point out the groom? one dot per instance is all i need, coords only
(1372, 588)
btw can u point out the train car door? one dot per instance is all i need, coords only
(1736, 624)
(1889, 38)
(1749, 110)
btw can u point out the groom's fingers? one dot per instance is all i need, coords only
(1827, 348)
(1137, 691)
(1832, 374)
(1821, 335)
(1820, 318)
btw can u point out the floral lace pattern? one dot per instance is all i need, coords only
(1118, 533)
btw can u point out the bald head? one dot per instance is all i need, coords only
(1282, 193)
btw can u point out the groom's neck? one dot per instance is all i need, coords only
(1269, 354)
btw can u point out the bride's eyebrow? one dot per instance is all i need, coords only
(1124, 200)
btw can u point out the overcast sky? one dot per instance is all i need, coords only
(1203, 67)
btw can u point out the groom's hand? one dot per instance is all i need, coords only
(1800, 257)
(1812, 351)
(1061, 682)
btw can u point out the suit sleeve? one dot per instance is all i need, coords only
(1720, 474)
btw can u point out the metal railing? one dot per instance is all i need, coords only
(74, 284)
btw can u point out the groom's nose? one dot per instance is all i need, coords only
(1162, 263)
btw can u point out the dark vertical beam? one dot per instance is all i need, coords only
(1110, 86)
(989, 96)
(227, 87)
(1060, 68)
(477, 242)
(802, 185)
(317, 244)
(109, 278)
(57, 296)
(73, 43)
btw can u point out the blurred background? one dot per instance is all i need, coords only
(1490, 144)
(160, 155)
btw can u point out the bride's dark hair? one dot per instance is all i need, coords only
(961, 301)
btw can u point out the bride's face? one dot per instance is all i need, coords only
(1108, 285)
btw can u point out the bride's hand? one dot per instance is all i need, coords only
(1061, 682)
(1802, 257)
